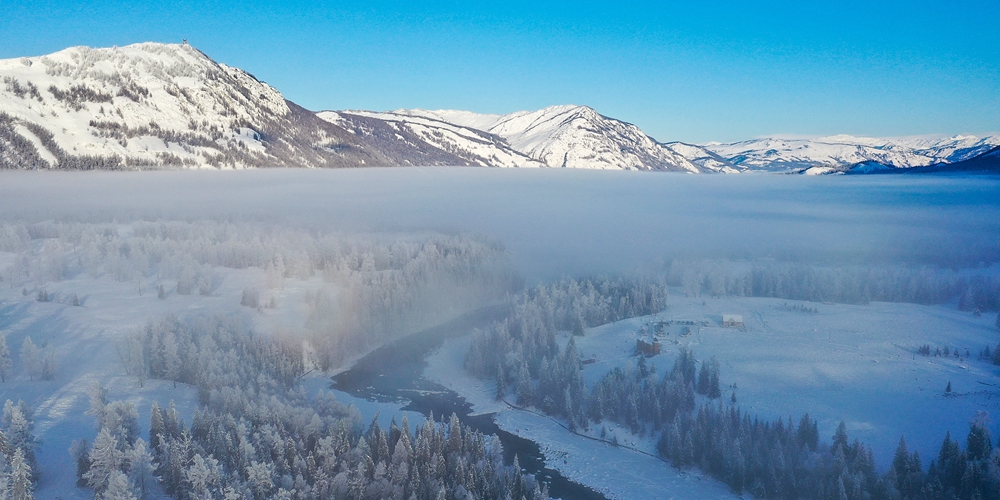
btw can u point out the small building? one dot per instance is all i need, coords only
(732, 321)
(647, 346)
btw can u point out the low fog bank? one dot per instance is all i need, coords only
(563, 222)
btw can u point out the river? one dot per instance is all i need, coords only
(394, 373)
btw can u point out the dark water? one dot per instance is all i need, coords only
(393, 373)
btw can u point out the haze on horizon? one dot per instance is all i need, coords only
(680, 72)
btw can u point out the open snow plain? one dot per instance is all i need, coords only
(856, 363)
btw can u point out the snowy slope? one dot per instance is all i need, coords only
(704, 158)
(959, 148)
(573, 136)
(836, 153)
(475, 147)
(155, 105)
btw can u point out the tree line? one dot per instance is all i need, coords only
(848, 284)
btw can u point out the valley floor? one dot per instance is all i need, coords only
(853, 363)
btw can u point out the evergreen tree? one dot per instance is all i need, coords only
(714, 391)
(21, 486)
(19, 434)
(105, 458)
(808, 433)
(840, 438)
(80, 451)
(978, 443)
(156, 427)
(950, 465)
(501, 385)
(5, 362)
(141, 471)
(119, 487)
(30, 358)
(704, 378)
(202, 476)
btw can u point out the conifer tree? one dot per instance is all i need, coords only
(30, 359)
(156, 427)
(105, 458)
(840, 437)
(5, 362)
(80, 451)
(141, 471)
(978, 443)
(19, 431)
(118, 487)
(21, 486)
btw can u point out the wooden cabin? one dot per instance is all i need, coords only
(647, 347)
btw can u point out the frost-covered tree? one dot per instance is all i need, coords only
(122, 419)
(259, 478)
(18, 431)
(202, 476)
(5, 362)
(80, 451)
(105, 459)
(156, 427)
(21, 486)
(132, 356)
(97, 395)
(118, 487)
(141, 469)
(30, 358)
(48, 362)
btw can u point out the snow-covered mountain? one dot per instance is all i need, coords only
(156, 105)
(572, 136)
(475, 147)
(841, 152)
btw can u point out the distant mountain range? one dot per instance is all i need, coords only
(844, 153)
(150, 106)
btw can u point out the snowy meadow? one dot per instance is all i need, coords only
(171, 334)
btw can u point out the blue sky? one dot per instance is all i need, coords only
(692, 71)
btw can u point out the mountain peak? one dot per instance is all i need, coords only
(155, 105)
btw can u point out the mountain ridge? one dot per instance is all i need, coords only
(153, 105)
(150, 105)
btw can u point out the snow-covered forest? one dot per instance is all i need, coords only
(691, 412)
(849, 284)
(374, 287)
(257, 435)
